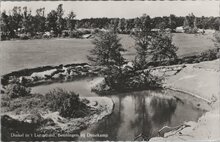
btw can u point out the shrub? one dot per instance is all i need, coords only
(95, 31)
(5, 100)
(4, 37)
(75, 34)
(189, 30)
(15, 90)
(210, 54)
(68, 104)
(217, 36)
(24, 36)
(129, 79)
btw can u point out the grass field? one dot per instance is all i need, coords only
(16, 55)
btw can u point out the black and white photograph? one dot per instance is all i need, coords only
(110, 71)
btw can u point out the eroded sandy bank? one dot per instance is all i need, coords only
(52, 122)
(203, 81)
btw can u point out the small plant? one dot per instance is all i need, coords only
(16, 89)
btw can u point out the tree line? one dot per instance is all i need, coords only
(21, 21)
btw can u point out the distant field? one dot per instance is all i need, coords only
(16, 55)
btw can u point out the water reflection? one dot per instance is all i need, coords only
(141, 122)
(163, 109)
(140, 112)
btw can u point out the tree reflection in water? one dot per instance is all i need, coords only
(140, 113)
(162, 110)
(142, 122)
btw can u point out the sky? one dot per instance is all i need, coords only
(122, 9)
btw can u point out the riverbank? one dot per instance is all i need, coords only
(202, 81)
(43, 121)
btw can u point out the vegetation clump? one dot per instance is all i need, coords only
(16, 89)
(68, 104)
(125, 79)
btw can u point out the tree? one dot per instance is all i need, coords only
(14, 21)
(162, 48)
(114, 25)
(40, 20)
(161, 25)
(190, 23)
(70, 21)
(27, 22)
(60, 21)
(129, 25)
(217, 24)
(202, 22)
(5, 27)
(152, 46)
(142, 38)
(107, 50)
(145, 23)
(107, 53)
(172, 22)
(51, 21)
(121, 25)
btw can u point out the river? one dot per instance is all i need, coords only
(134, 112)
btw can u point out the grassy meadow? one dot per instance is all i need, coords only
(15, 55)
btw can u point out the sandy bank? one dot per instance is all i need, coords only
(201, 80)
(102, 105)
(52, 122)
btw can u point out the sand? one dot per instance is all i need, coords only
(201, 80)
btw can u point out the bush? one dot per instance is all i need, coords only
(15, 90)
(129, 79)
(4, 37)
(68, 104)
(210, 55)
(75, 34)
(217, 36)
(189, 30)
(95, 31)
(24, 36)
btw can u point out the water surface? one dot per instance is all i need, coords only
(134, 112)
(142, 112)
